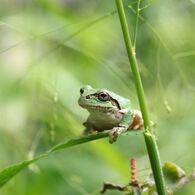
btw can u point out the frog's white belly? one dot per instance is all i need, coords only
(105, 121)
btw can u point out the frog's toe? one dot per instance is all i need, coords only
(112, 138)
(114, 133)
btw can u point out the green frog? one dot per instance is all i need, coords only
(108, 111)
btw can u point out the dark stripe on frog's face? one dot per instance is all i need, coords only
(104, 96)
(115, 103)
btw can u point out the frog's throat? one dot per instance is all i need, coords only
(97, 108)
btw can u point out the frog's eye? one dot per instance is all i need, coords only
(81, 91)
(103, 96)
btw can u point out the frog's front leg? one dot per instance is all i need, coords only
(131, 119)
(89, 129)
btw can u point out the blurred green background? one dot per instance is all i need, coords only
(50, 49)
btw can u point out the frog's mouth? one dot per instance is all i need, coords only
(98, 108)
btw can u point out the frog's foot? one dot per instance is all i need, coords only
(114, 133)
(89, 132)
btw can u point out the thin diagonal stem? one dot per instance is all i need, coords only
(149, 137)
(136, 23)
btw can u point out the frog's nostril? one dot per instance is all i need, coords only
(87, 97)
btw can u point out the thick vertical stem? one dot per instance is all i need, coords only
(149, 137)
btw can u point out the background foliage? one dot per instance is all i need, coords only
(49, 49)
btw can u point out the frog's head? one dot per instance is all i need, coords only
(97, 100)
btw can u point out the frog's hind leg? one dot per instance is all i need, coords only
(137, 122)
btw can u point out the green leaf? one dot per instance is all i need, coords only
(78, 141)
(9, 172)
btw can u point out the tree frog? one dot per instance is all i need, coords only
(108, 111)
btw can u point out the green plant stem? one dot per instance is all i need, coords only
(148, 136)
